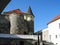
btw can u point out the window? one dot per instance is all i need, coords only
(56, 36)
(50, 37)
(21, 42)
(29, 18)
(59, 25)
(25, 33)
(56, 43)
(25, 17)
(59, 36)
(35, 43)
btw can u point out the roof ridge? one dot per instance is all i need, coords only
(18, 11)
(55, 18)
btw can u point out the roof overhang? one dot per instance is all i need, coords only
(3, 4)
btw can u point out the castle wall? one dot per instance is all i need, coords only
(17, 24)
(31, 27)
(4, 24)
(29, 22)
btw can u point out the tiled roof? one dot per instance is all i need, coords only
(29, 11)
(17, 11)
(54, 19)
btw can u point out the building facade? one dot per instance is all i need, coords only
(16, 22)
(52, 33)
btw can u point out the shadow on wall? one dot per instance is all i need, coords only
(47, 43)
(4, 24)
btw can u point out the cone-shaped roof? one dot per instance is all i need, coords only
(29, 11)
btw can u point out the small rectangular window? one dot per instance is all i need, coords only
(56, 36)
(59, 36)
(50, 37)
(59, 25)
(25, 17)
(56, 43)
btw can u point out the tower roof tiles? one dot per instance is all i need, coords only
(29, 11)
(18, 11)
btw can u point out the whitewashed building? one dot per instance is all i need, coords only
(52, 33)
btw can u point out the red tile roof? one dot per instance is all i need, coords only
(18, 11)
(54, 19)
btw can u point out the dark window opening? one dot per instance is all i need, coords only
(35, 43)
(59, 25)
(9, 25)
(50, 37)
(21, 42)
(56, 43)
(25, 33)
(56, 36)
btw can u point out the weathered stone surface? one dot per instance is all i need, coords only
(17, 24)
(4, 24)
(4, 41)
(30, 27)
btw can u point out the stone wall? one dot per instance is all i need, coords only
(17, 24)
(4, 24)
(30, 27)
(4, 41)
